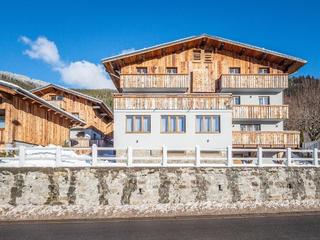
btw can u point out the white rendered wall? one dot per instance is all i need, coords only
(253, 98)
(156, 139)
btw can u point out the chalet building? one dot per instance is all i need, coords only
(94, 112)
(201, 90)
(26, 119)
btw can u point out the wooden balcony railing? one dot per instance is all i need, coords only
(260, 112)
(172, 102)
(270, 139)
(2, 135)
(253, 81)
(155, 81)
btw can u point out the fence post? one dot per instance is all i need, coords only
(94, 153)
(164, 156)
(289, 160)
(229, 156)
(197, 156)
(58, 155)
(22, 155)
(129, 156)
(315, 157)
(260, 157)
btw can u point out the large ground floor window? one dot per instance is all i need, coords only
(173, 124)
(138, 123)
(2, 118)
(207, 124)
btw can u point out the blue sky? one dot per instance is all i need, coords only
(84, 32)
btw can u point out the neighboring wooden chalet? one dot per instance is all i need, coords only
(97, 115)
(27, 119)
(181, 86)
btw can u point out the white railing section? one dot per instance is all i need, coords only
(163, 157)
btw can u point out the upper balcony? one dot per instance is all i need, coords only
(172, 102)
(253, 82)
(266, 139)
(260, 112)
(155, 82)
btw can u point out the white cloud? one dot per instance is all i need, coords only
(129, 50)
(42, 49)
(79, 74)
(85, 74)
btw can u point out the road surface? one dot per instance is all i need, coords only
(269, 227)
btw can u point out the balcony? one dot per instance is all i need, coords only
(173, 102)
(267, 139)
(260, 112)
(155, 82)
(253, 82)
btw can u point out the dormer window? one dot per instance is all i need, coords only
(172, 70)
(142, 70)
(264, 70)
(56, 97)
(234, 70)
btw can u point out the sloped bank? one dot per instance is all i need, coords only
(61, 193)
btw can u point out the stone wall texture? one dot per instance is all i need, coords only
(108, 189)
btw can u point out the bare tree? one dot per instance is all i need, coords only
(303, 97)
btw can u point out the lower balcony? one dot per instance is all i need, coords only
(266, 139)
(260, 112)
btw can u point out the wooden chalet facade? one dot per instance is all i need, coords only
(96, 114)
(203, 78)
(28, 119)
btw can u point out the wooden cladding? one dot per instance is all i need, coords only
(170, 102)
(266, 139)
(253, 81)
(260, 112)
(155, 81)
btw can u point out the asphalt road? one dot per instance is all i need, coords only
(275, 227)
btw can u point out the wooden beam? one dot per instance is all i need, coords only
(243, 50)
(263, 57)
(286, 68)
(221, 47)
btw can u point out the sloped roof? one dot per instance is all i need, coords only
(99, 102)
(32, 96)
(288, 63)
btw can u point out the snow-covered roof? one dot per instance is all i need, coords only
(25, 93)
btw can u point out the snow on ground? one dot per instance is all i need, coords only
(32, 212)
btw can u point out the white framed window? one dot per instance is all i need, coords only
(264, 100)
(173, 124)
(234, 70)
(207, 124)
(236, 100)
(138, 123)
(142, 70)
(56, 97)
(250, 127)
(172, 70)
(264, 70)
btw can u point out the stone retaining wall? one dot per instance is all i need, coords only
(35, 193)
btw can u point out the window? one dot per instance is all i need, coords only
(197, 55)
(173, 124)
(138, 124)
(142, 70)
(234, 70)
(207, 56)
(264, 70)
(236, 100)
(2, 118)
(76, 114)
(264, 100)
(56, 97)
(207, 124)
(250, 127)
(172, 70)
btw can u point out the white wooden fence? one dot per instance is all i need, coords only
(164, 157)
